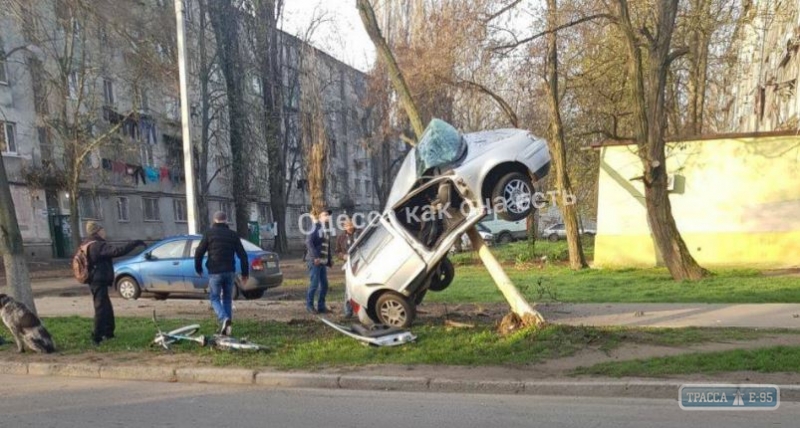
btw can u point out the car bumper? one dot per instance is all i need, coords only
(263, 281)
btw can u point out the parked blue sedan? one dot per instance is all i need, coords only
(168, 267)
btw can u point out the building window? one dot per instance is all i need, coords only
(8, 138)
(108, 92)
(356, 187)
(3, 72)
(226, 208)
(72, 82)
(264, 214)
(187, 10)
(148, 158)
(151, 209)
(89, 207)
(123, 215)
(172, 108)
(255, 85)
(179, 208)
(368, 188)
(141, 99)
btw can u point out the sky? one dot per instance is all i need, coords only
(341, 33)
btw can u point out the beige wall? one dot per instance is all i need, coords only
(736, 203)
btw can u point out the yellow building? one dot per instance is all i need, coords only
(735, 198)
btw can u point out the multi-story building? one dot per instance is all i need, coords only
(134, 182)
(764, 78)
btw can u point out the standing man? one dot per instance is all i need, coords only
(343, 243)
(101, 264)
(318, 251)
(222, 245)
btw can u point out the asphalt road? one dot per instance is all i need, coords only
(29, 401)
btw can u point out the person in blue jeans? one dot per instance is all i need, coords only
(318, 257)
(223, 246)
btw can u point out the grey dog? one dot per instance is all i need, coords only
(25, 326)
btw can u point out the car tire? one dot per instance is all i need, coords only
(394, 310)
(128, 288)
(443, 275)
(253, 294)
(509, 188)
(553, 237)
(505, 238)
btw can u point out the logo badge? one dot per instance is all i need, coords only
(729, 397)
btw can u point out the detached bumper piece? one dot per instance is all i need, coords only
(376, 336)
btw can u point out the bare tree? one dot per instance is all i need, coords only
(558, 145)
(648, 98)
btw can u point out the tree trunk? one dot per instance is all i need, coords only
(649, 131)
(16, 267)
(224, 20)
(395, 75)
(272, 102)
(74, 217)
(577, 259)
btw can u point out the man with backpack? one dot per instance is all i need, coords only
(93, 264)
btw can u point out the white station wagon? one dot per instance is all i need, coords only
(446, 185)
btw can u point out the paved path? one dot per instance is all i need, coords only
(30, 401)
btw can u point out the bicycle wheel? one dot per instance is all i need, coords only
(188, 330)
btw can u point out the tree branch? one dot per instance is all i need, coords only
(507, 109)
(554, 30)
(677, 53)
(501, 11)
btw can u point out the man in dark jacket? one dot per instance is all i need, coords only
(101, 265)
(318, 251)
(343, 243)
(222, 244)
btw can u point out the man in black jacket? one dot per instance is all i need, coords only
(101, 265)
(222, 244)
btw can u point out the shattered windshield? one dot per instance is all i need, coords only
(441, 144)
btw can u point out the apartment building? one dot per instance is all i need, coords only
(134, 181)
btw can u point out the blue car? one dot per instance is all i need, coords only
(168, 267)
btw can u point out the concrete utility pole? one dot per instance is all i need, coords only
(188, 159)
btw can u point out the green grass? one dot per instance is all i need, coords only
(310, 345)
(522, 252)
(764, 360)
(473, 284)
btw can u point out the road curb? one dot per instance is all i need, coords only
(667, 389)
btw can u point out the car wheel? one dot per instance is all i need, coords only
(394, 310)
(443, 275)
(516, 191)
(253, 294)
(553, 237)
(128, 288)
(160, 296)
(505, 238)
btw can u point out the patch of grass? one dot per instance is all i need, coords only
(765, 360)
(473, 284)
(311, 345)
(523, 252)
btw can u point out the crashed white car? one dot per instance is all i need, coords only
(446, 185)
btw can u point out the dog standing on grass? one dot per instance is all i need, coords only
(25, 326)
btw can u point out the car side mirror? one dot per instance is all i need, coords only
(148, 256)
